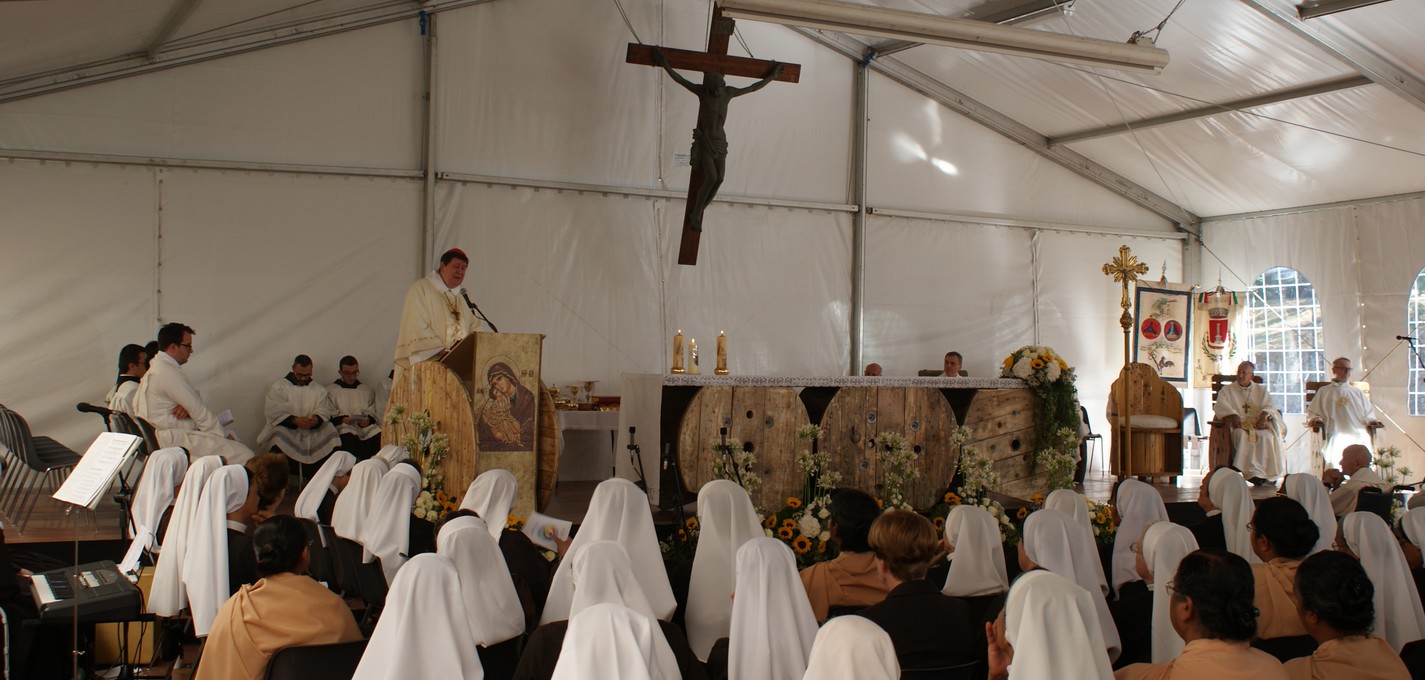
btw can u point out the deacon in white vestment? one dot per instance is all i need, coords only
(298, 416)
(1256, 425)
(1345, 414)
(358, 411)
(133, 363)
(434, 317)
(174, 407)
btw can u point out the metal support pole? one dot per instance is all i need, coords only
(428, 166)
(858, 221)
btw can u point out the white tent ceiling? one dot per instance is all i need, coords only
(1354, 139)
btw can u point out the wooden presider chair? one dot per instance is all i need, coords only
(1156, 409)
(1319, 429)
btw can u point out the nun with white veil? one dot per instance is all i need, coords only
(206, 569)
(1399, 616)
(726, 522)
(387, 532)
(1413, 525)
(618, 512)
(610, 641)
(167, 597)
(773, 626)
(1311, 494)
(498, 618)
(1049, 629)
(1229, 501)
(491, 495)
(1073, 504)
(852, 648)
(1052, 541)
(977, 554)
(352, 506)
(156, 492)
(1164, 545)
(391, 455)
(1137, 504)
(420, 633)
(324, 484)
(600, 573)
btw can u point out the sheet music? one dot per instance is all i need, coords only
(541, 530)
(96, 469)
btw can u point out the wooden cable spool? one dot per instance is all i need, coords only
(763, 420)
(1001, 424)
(922, 415)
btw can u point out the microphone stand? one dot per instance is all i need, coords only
(635, 460)
(1413, 350)
(476, 309)
(726, 452)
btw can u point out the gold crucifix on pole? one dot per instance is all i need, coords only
(1125, 269)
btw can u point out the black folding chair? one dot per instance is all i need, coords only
(319, 566)
(965, 671)
(30, 460)
(335, 661)
(1371, 499)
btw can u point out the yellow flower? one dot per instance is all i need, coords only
(1036, 364)
(785, 533)
(939, 523)
(793, 502)
(1037, 498)
(770, 522)
(1063, 366)
(1009, 362)
(821, 546)
(1023, 512)
(692, 522)
(1047, 357)
(789, 523)
(952, 498)
(880, 503)
(802, 544)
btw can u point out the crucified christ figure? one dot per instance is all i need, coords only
(709, 137)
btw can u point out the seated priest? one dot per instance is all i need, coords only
(1355, 464)
(873, 370)
(1246, 408)
(133, 363)
(358, 415)
(167, 400)
(953, 362)
(434, 316)
(1344, 413)
(298, 418)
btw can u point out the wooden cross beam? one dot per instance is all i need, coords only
(716, 61)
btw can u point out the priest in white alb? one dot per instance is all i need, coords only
(173, 406)
(1344, 412)
(435, 316)
(1256, 425)
(298, 415)
(358, 411)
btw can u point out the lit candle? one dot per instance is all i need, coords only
(693, 356)
(678, 352)
(721, 354)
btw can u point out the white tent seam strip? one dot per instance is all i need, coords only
(638, 192)
(198, 164)
(1024, 224)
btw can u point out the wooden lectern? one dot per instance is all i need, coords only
(485, 394)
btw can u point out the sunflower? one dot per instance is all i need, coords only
(880, 504)
(1037, 498)
(794, 502)
(821, 546)
(785, 533)
(939, 523)
(1063, 366)
(802, 544)
(1009, 362)
(770, 522)
(1023, 512)
(789, 523)
(952, 498)
(692, 522)
(1036, 364)
(682, 535)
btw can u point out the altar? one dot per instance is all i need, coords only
(680, 417)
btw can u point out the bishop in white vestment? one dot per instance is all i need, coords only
(299, 416)
(434, 317)
(1345, 414)
(1257, 432)
(174, 407)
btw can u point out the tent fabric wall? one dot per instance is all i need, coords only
(1362, 261)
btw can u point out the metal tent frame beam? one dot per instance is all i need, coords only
(1215, 109)
(171, 23)
(1328, 37)
(973, 109)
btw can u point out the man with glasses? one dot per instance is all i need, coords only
(1344, 413)
(358, 415)
(168, 401)
(298, 416)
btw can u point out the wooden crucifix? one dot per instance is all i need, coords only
(709, 138)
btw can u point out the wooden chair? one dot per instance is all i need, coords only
(1221, 450)
(1156, 409)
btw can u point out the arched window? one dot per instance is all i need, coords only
(1284, 335)
(1414, 317)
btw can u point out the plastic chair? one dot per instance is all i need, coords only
(1371, 499)
(30, 461)
(336, 661)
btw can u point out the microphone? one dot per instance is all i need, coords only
(476, 308)
(1404, 337)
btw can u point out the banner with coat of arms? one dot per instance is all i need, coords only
(1162, 328)
(1218, 351)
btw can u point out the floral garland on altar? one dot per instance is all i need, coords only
(428, 448)
(1056, 402)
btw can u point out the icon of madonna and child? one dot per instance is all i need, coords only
(505, 421)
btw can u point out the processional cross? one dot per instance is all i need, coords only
(709, 139)
(1125, 269)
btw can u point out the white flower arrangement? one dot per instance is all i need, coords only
(978, 473)
(428, 448)
(1037, 365)
(896, 468)
(1388, 460)
(818, 479)
(735, 463)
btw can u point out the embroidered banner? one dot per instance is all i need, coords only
(1162, 328)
